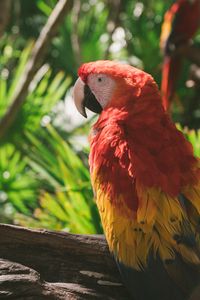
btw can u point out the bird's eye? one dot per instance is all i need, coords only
(100, 79)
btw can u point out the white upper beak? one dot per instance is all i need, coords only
(78, 95)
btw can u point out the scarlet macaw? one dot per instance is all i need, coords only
(146, 181)
(181, 22)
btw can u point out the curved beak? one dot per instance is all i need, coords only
(83, 97)
(78, 95)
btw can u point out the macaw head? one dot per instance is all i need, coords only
(103, 84)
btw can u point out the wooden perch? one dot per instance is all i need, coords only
(41, 264)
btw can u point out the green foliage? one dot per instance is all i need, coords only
(18, 188)
(44, 179)
(44, 92)
(64, 51)
(193, 136)
(66, 200)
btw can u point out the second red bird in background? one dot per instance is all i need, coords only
(181, 22)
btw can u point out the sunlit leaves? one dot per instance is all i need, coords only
(66, 195)
(18, 188)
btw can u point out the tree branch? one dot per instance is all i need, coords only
(34, 63)
(4, 14)
(40, 264)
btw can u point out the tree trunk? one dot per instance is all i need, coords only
(4, 15)
(41, 264)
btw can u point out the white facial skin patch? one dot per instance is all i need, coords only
(102, 86)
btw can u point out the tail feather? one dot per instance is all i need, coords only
(170, 73)
(172, 279)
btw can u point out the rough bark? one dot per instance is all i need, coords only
(40, 264)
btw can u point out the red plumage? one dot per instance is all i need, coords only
(180, 24)
(146, 182)
(132, 131)
(144, 144)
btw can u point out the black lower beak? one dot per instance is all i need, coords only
(90, 101)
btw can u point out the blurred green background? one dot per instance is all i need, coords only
(44, 177)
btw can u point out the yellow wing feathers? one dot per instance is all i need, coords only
(157, 227)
